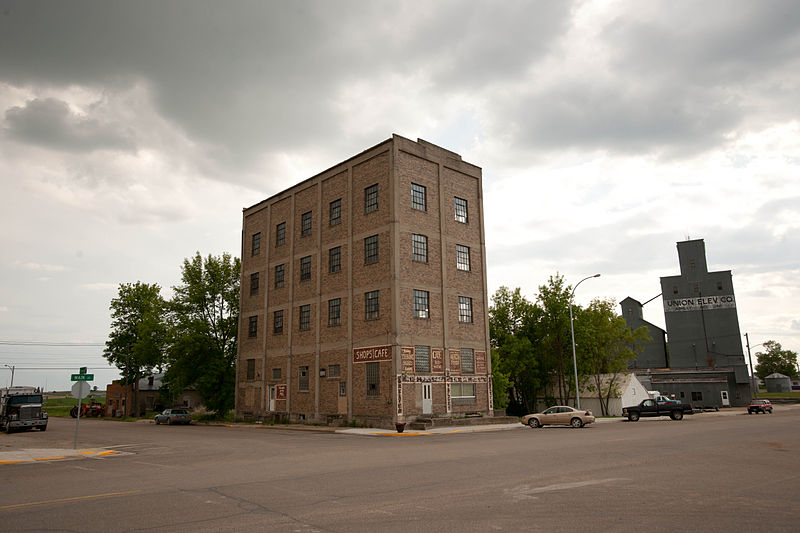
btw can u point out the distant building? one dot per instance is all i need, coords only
(706, 364)
(363, 292)
(654, 354)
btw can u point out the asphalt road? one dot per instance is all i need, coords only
(705, 473)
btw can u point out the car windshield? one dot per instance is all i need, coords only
(25, 398)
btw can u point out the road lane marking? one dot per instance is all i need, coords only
(67, 500)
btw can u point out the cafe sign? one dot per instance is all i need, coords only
(372, 354)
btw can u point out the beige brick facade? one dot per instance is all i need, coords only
(329, 270)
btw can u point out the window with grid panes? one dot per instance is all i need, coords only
(461, 210)
(371, 305)
(336, 212)
(371, 250)
(462, 257)
(373, 379)
(256, 244)
(335, 259)
(276, 373)
(342, 389)
(252, 327)
(305, 224)
(280, 234)
(251, 369)
(305, 268)
(305, 317)
(421, 306)
(302, 382)
(253, 283)
(422, 358)
(277, 322)
(334, 371)
(419, 248)
(280, 270)
(371, 198)
(464, 309)
(467, 361)
(335, 312)
(418, 197)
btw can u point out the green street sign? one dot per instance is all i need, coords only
(82, 377)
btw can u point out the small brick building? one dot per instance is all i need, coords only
(363, 293)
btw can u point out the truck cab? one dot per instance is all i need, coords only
(21, 408)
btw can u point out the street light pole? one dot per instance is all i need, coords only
(572, 331)
(12, 367)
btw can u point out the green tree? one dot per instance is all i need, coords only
(555, 338)
(205, 316)
(776, 359)
(137, 341)
(605, 347)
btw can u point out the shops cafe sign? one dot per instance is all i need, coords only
(700, 303)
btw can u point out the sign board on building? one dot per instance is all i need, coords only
(407, 358)
(280, 392)
(455, 361)
(480, 362)
(700, 302)
(437, 360)
(372, 354)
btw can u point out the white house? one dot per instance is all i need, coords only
(627, 390)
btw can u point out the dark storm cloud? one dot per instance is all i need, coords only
(50, 123)
(678, 79)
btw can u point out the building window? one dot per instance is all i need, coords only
(276, 373)
(372, 305)
(371, 250)
(336, 212)
(305, 317)
(462, 257)
(373, 379)
(461, 210)
(253, 283)
(421, 307)
(419, 248)
(719, 285)
(335, 259)
(342, 389)
(464, 309)
(277, 322)
(467, 361)
(674, 289)
(697, 396)
(251, 369)
(252, 327)
(279, 275)
(256, 245)
(422, 358)
(462, 391)
(418, 197)
(334, 371)
(305, 224)
(305, 268)
(280, 234)
(335, 312)
(371, 198)
(302, 382)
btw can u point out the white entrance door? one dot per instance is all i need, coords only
(272, 397)
(427, 402)
(726, 402)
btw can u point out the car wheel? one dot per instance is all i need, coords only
(770, 411)
(576, 422)
(676, 415)
(633, 417)
(169, 421)
(534, 423)
(73, 412)
(43, 428)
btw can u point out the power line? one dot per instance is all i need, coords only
(47, 343)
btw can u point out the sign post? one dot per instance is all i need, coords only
(79, 390)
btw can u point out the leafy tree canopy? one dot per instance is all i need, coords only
(776, 359)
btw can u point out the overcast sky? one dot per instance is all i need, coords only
(132, 134)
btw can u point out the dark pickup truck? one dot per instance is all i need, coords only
(673, 410)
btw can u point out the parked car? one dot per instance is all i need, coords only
(174, 416)
(759, 406)
(560, 415)
(652, 408)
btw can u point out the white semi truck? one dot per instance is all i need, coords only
(21, 408)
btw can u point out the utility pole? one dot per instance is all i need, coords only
(753, 385)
